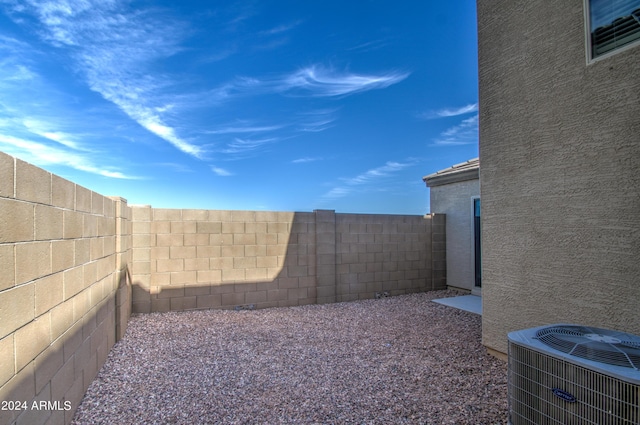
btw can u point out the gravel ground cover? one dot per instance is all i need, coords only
(394, 360)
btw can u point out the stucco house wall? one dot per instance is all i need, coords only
(451, 192)
(560, 181)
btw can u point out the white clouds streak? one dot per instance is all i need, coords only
(305, 160)
(280, 29)
(368, 177)
(244, 146)
(42, 154)
(317, 120)
(221, 171)
(453, 112)
(14, 64)
(385, 170)
(155, 125)
(371, 45)
(114, 48)
(36, 123)
(47, 131)
(243, 127)
(126, 53)
(315, 81)
(465, 133)
(337, 192)
(323, 82)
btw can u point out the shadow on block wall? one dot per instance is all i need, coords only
(64, 250)
(53, 376)
(50, 387)
(199, 259)
(79, 263)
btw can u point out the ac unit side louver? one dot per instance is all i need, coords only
(570, 374)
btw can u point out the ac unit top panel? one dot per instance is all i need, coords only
(612, 352)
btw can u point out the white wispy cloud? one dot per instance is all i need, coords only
(370, 176)
(244, 127)
(48, 131)
(316, 120)
(220, 55)
(451, 112)
(39, 153)
(15, 65)
(317, 125)
(372, 45)
(465, 133)
(221, 171)
(11, 44)
(240, 13)
(315, 81)
(250, 143)
(306, 159)
(467, 109)
(36, 122)
(175, 166)
(278, 30)
(114, 48)
(325, 82)
(385, 170)
(155, 125)
(337, 192)
(243, 146)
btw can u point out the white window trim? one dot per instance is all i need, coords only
(588, 47)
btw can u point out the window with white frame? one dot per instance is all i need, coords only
(612, 24)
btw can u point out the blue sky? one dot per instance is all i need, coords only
(258, 105)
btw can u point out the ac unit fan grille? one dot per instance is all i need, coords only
(599, 345)
(599, 398)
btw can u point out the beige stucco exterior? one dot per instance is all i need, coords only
(560, 181)
(451, 192)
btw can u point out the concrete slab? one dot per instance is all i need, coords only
(471, 303)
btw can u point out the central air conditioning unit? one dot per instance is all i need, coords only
(569, 374)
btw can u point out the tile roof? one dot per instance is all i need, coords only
(469, 170)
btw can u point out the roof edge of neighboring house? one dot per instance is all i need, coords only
(469, 170)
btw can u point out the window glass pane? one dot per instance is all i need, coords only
(613, 24)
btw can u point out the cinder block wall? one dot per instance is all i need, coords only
(77, 264)
(63, 253)
(196, 259)
(386, 255)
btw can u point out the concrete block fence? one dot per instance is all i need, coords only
(195, 259)
(64, 294)
(76, 264)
